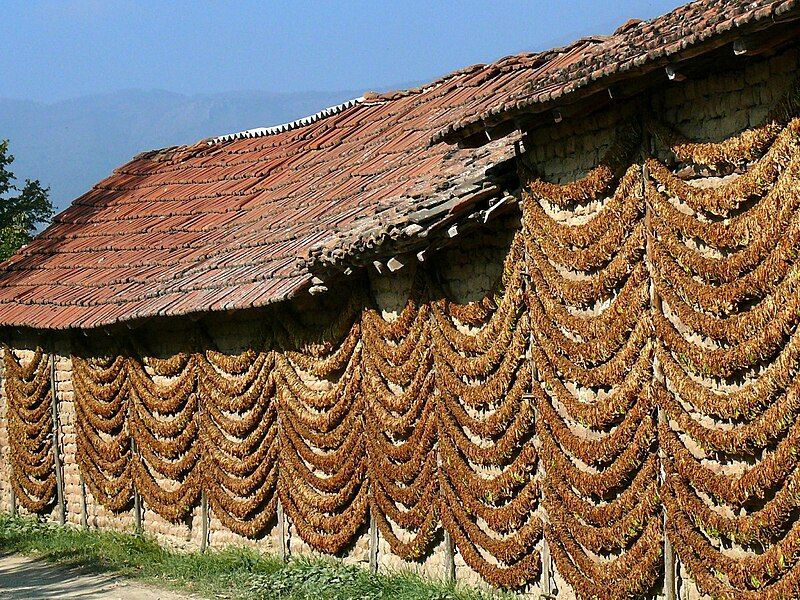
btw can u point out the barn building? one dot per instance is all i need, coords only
(533, 324)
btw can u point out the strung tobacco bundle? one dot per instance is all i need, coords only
(322, 353)
(591, 350)
(489, 492)
(589, 309)
(164, 423)
(771, 572)
(754, 261)
(322, 480)
(731, 314)
(739, 228)
(30, 430)
(400, 425)
(633, 575)
(605, 534)
(596, 183)
(760, 429)
(240, 438)
(103, 442)
(748, 146)
(609, 549)
(590, 244)
(735, 279)
(504, 502)
(763, 499)
(712, 580)
(584, 291)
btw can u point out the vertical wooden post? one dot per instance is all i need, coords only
(545, 579)
(283, 549)
(449, 558)
(282, 553)
(13, 499)
(137, 512)
(546, 585)
(203, 521)
(373, 542)
(137, 500)
(84, 509)
(449, 572)
(62, 509)
(670, 588)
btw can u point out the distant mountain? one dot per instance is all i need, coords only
(72, 144)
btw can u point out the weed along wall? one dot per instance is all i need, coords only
(595, 397)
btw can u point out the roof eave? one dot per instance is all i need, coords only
(629, 80)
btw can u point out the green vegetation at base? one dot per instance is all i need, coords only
(230, 573)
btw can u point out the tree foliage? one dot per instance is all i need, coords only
(21, 208)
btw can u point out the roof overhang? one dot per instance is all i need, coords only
(718, 49)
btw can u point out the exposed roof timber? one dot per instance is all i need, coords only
(758, 38)
(422, 248)
(436, 227)
(673, 74)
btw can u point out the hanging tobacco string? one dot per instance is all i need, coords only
(164, 422)
(322, 471)
(102, 437)
(30, 430)
(589, 309)
(400, 424)
(488, 489)
(726, 267)
(239, 434)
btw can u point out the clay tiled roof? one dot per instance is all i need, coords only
(228, 225)
(238, 222)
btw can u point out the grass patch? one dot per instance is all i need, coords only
(234, 572)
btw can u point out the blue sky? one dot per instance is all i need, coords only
(57, 49)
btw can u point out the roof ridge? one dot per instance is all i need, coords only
(380, 97)
(290, 125)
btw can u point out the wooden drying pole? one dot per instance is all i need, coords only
(449, 558)
(84, 510)
(203, 521)
(449, 566)
(283, 550)
(284, 555)
(373, 542)
(12, 497)
(137, 499)
(545, 581)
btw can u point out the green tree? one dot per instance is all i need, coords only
(21, 209)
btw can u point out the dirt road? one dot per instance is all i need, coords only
(22, 577)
